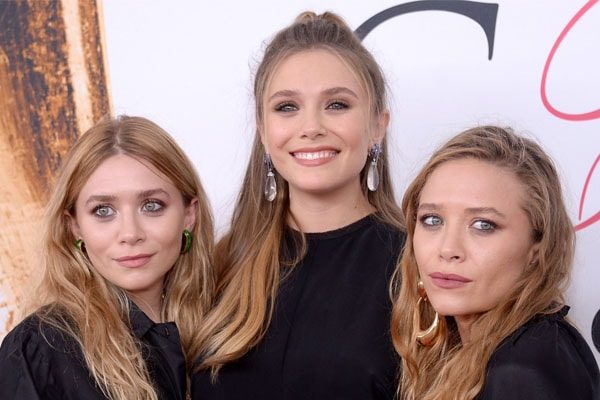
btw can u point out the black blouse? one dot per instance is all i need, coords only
(329, 337)
(546, 359)
(39, 362)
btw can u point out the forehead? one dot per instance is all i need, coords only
(314, 69)
(121, 174)
(474, 183)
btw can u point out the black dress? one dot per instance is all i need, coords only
(329, 337)
(39, 362)
(546, 359)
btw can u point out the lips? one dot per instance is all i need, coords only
(314, 157)
(448, 281)
(134, 261)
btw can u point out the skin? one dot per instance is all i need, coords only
(318, 130)
(127, 208)
(470, 223)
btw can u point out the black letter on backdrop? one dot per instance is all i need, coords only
(483, 13)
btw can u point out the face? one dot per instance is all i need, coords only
(131, 218)
(472, 238)
(317, 125)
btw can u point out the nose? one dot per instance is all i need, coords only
(131, 230)
(451, 246)
(312, 125)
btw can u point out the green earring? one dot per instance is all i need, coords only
(187, 241)
(80, 245)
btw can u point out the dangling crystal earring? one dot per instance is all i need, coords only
(270, 183)
(373, 174)
(428, 336)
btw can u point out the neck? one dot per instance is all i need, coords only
(322, 212)
(463, 323)
(149, 303)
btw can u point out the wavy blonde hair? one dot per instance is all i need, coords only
(76, 299)
(449, 369)
(248, 258)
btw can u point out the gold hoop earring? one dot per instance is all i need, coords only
(428, 336)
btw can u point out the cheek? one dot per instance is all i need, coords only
(423, 249)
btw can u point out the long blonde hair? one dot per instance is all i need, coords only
(248, 257)
(449, 369)
(76, 299)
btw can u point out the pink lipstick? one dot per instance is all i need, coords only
(448, 281)
(134, 261)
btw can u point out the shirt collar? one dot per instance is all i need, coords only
(140, 323)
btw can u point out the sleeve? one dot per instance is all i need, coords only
(23, 367)
(544, 364)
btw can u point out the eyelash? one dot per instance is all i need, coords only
(290, 107)
(492, 225)
(340, 105)
(161, 204)
(153, 201)
(282, 107)
(95, 211)
(423, 219)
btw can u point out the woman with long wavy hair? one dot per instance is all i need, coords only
(126, 274)
(302, 307)
(479, 308)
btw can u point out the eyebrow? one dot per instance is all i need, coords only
(106, 198)
(329, 92)
(470, 210)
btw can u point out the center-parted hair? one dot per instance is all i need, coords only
(248, 258)
(74, 296)
(449, 369)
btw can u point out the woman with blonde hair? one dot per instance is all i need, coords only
(127, 273)
(302, 307)
(479, 310)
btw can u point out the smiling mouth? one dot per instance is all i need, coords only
(315, 155)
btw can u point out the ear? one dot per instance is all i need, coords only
(72, 221)
(191, 211)
(263, 137)
(534, 253)
(380, 126)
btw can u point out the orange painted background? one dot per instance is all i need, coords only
(53, 85)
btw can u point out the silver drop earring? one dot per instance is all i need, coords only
(270, 183)
(373, 174)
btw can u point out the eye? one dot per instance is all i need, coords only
(484, 225)
(152, 206)
(286, 107)
(337, 105)
(431, 220)
(103, 211)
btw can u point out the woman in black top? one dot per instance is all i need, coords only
(126, 248)
(479, 312)
(302, 295)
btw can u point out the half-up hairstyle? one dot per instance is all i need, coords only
(449, 369)
(248, 257)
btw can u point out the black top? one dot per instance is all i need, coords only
(38, 361)
(329, 338)
(546, 359)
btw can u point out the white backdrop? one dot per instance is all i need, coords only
(188, 65)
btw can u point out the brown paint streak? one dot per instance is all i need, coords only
(37, 126)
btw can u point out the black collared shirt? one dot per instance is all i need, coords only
(329, 337)
(39, 362)
(545, 359)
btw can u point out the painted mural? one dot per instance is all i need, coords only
(53, 85)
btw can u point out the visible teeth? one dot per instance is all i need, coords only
(316, 155)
